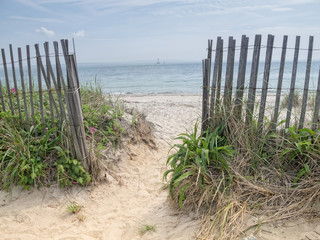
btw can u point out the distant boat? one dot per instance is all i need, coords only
(158, 62)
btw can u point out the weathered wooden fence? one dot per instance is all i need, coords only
(61, 87)
(242, 101)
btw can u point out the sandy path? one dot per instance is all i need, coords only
(112, 211)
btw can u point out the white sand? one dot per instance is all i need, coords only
(117, 212)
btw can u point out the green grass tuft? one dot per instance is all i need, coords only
(147, 228)
(74, 207)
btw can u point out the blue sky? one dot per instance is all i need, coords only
(144, 30)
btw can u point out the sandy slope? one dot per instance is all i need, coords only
(111, 210)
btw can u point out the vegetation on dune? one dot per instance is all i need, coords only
(38, 154)
(233, 170)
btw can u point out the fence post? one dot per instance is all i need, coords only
(7, 79)
(281, 70)
(209, 49)
(30, 83)
(205, 99)
(306, 84)
(48, 77)
(40, 85)
(76, 113)
(60, 115)
(23, 87)
(265, 83)
(15, 82)
(317, 105)
(253, 79)
(229, 73)
(74, 109)
(241, 75)
(219, 77)
(2, 98)
(60, 80)
(293, 81)
(215, 75)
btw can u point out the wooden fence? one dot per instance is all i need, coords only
(60, 87)
(242, 100)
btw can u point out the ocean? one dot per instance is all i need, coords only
(169, 78)
(179, 78)
(144, 78)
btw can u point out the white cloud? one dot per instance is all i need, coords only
(45, 31)
(79, 34)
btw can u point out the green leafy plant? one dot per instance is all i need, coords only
(300, 149)
(70, 171)
(301, 145)
(198, 158)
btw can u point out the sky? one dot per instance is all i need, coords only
(145, 30)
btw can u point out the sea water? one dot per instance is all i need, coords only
(181, 78)
(170, 78)
(143, 78)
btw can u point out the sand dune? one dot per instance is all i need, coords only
(117, 209)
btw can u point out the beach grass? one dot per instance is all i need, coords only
(234, 169)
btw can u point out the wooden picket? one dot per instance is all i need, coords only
(234, 100)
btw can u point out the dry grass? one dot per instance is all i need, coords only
(263, 184)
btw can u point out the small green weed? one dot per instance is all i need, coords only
(147, 228)
(74, 207)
